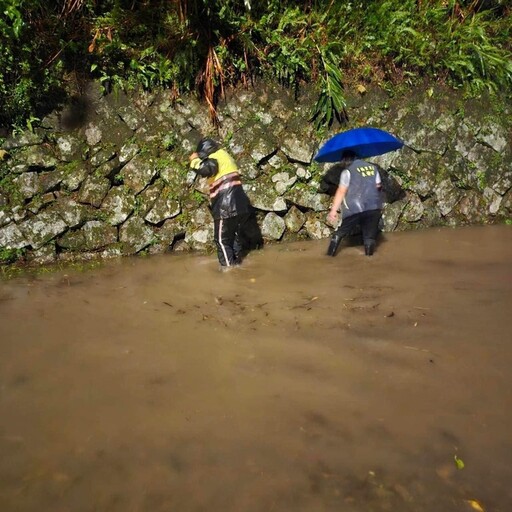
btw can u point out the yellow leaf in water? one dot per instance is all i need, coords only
(458, 462)
(475, 505)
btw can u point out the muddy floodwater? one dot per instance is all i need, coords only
(297, 382)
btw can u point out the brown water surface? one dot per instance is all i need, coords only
(295, 383)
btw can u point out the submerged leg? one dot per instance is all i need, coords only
(370, 227)
(224, 237)
(333, 246)
(369, 247)
(248, 236)
(345, 229)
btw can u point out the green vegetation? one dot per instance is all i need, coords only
(22, 268)
(50, 48)
(198, 198)
(10, 188)
(10, 255)
(481, 179)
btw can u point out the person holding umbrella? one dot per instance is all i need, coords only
(359, 191)
(359, 187)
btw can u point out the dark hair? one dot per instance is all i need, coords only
(206, 147)
(347, 157)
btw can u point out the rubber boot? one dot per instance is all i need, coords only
(369, 248)
(333, 246)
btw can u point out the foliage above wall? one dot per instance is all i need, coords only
(47, 49)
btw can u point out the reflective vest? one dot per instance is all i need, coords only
(227, 175)
(362, 194)
(227, 197)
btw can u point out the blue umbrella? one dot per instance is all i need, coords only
(364, 142)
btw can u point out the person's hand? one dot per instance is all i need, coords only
(332, 217)
(193, 155)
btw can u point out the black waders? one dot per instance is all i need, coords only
(369, 247)
(369, 224)
(333, 246)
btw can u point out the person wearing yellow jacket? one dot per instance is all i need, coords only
(229, 204)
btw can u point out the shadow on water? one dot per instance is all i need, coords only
(296, 382)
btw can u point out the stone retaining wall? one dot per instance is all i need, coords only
(107, 176)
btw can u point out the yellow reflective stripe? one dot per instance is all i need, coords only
(368, 170)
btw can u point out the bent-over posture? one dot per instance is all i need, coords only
(230, 206)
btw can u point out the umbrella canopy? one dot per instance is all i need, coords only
(364, 142)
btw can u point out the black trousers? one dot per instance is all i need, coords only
(368, 222)
(235, 236)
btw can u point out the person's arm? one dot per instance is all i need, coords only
(206, 168)
(341, 191)
(378, 180)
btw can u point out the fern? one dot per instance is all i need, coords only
(331, 102)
